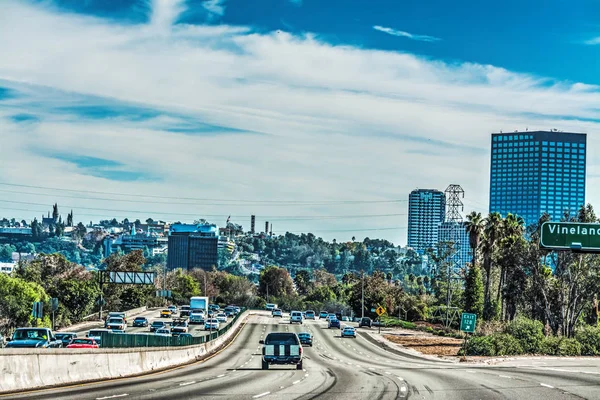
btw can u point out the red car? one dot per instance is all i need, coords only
(83, 343)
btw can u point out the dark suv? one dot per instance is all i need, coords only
(365, 322)
(281, 348)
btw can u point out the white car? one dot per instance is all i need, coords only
(296, 316)
(277, 313)
(163, 332)
(222, 317)
(211, 325)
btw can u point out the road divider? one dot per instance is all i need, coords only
(25, 369)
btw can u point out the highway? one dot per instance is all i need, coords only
(337, 368)
(196, 330)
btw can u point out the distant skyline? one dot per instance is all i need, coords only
(317, 116)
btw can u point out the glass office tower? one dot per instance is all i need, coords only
(536, 172)
(426, 210)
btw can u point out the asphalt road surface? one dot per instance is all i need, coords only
(337, 368)
(196, 330)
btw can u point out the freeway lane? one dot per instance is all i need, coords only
(343, 368)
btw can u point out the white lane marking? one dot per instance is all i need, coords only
(112, 397)
(220, 376)
(295, 382)
(403, 389)
(261, 395)
(471, 371)
(388, 372)
(401, 378)
(233, 370)
(187, 383)
(306, 375)
(281, 387)
(546, 385)
(505, 376)
(372, 369)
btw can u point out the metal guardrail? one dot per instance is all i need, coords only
(123, 340)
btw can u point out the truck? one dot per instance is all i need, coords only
(199, 303)
(33, 338)
(281, 348)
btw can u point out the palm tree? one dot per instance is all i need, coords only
(492, 231)
(512, 229)
(474, 227)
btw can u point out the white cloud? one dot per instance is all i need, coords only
(326, 122)
(593, 41)
(215, 7)
(412, 36)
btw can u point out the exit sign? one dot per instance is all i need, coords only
(468, 322)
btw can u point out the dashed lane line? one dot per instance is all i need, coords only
(261, 395)
(546, 385)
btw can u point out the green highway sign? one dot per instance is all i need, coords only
(468, 322)
(576, 236)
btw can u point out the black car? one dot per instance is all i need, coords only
(335, 323)
(65, 337)
(281, 348)
(365, 322)
(305, 338)
(140, 322)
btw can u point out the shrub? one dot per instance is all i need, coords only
(529, 333)
(561, 346)
(589, 338)
(481, 346)
(506, 345)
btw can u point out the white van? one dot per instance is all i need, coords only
(296, 316)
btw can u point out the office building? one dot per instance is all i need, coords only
(192, 246)
(155, 244)
(456, 233)
(536, 172)
(426, 210)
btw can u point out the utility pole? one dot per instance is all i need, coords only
(362, 308)
(267, 292)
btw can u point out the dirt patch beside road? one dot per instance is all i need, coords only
(427, 344)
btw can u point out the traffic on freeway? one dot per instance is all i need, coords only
(334, 368)
(166, 321)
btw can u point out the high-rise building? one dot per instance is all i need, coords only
(426, 210)
(455, 232)
(536, 172)
(192, 246)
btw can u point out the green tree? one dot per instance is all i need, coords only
(16, 301)
(183, 286)
(302, 282)
(473, 294)
(6, 251)
(277, 281)
(492, 235)
(474, 227)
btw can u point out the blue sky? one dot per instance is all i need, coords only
(317, 104)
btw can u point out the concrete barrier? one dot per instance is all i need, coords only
(22, 369)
